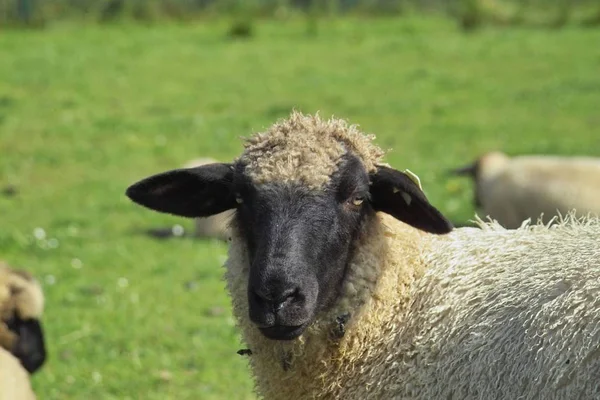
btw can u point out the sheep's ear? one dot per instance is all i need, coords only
(191, 192)
(395, 193)
(466, 170)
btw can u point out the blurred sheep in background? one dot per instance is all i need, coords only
(514, 189)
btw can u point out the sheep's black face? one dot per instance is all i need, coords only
(299, 243)
(30, 346)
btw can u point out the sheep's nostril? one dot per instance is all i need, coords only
(276, 303)
(278, 306)
(287, 298)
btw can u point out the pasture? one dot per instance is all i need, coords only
(86, 111)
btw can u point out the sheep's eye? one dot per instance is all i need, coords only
(238, 198)
(358, 200)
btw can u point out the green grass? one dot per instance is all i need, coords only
(84, 112)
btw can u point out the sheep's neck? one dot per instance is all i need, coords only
(375, 295)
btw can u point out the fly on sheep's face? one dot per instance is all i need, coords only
(244, 352)
(299, 240)
(340, 325)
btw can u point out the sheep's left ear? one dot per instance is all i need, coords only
(394, 193)
(190, 192)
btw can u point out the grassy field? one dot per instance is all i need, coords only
(84, 112)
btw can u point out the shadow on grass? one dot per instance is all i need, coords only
(171, 232)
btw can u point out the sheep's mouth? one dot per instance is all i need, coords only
(283, 332)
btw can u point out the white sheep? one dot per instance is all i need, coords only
(513, 189)
(214, 226)
(21, 309)
(347, 284)
(22, 347)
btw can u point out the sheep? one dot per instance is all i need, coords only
(14, 379)
(346, 283)
(214, 226)
(22, 347)
(514, 189)
(21, 308)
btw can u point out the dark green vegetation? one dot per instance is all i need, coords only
(86, 112)
(468, 14)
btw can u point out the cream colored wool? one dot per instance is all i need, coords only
(517, 312)
(512, 190)
(19, 292)
(215, 226)
(14, 379)
(25, 291)
(306, 149)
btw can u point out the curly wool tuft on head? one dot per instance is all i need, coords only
(306, 149)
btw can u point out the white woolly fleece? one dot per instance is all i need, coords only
(508, 314)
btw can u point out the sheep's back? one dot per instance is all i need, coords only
(530, 186)
(508, 314)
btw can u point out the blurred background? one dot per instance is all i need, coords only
(95, 95)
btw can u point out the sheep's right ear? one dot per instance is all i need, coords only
(395, 193)
(190, 192)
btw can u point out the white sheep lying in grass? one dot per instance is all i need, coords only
(513, 189)
(22, 347)
(214, 226)
(347, 284)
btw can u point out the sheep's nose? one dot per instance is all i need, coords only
(276, 301)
